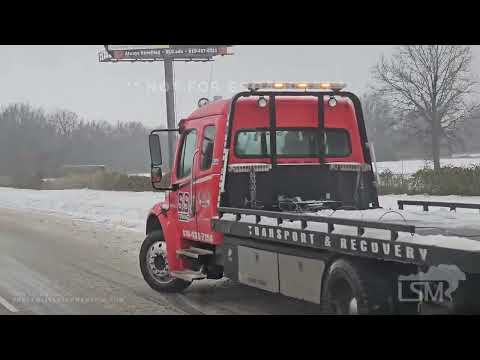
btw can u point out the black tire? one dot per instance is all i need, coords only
(357, 284)
(466, 296)
(160, 284)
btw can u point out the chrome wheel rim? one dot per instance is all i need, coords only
(353, 307)
(346, 306)
(157, 262)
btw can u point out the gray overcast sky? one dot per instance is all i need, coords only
(70, 77)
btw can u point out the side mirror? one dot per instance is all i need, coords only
(156, 161)
(155, 150)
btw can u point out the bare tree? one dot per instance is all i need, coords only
(64, 121)
(433, 83)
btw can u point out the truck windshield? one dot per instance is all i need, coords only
(292, 143)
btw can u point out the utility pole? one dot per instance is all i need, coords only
(170, 101)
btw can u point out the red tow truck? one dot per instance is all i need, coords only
(255, 183)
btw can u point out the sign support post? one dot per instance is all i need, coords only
(170, 101)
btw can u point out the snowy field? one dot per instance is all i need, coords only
(118, 208)
(140, 174)
(408, 167)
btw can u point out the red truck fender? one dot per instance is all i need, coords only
(158, 219)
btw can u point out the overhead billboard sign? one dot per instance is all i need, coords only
(160, 52)
(135, 47)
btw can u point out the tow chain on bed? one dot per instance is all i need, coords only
(254, 204)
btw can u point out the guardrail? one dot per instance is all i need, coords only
(427, 204)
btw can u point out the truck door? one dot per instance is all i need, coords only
(207, 182)
(181, 199)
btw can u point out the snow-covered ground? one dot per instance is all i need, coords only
(130, 209)
(120, 208)
(466, 155)
(408, 167)
(140, 174)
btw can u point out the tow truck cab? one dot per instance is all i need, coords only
(273, 150)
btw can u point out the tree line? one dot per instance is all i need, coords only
(34, 142)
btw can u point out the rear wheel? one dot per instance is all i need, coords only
(356, 288)
(154, 265)
(342, 299)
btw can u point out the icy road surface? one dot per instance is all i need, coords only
(58, 265)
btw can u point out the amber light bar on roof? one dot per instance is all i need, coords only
(327, 85)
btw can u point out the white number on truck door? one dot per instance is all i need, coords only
(183, 203)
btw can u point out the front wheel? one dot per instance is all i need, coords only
(154, 265)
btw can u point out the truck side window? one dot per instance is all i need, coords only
(186, 156)
(207, 147)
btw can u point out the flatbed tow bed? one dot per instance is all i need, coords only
(396, 241)
(298, 230)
